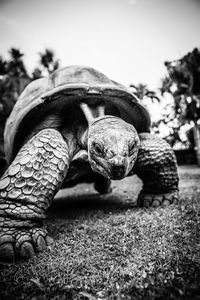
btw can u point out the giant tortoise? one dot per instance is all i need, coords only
(75, 126)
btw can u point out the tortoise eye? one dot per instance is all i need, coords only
(98, 149)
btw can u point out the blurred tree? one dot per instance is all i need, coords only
(15, 66)
(147, 98)
(143, 93)
(169, 127)
(13, 79)
(183, 83)
(166, 123)
(47, 64)
(37, 73)
(3, 66)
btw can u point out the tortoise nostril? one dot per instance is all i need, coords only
(118, 172)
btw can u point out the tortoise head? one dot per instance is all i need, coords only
(112, 146)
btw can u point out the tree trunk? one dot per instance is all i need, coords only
(196, 130)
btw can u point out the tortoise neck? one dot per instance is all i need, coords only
(93, 117)
(90, 113)
(83, 139)
(83, 135)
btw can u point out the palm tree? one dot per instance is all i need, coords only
(142, 92)
(48, 60)
(15, 66)
(47, 64)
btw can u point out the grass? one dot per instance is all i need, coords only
(106, 248)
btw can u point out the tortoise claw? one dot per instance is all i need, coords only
(156, 200)
(21, 243)
(41, 245)
(26, 250)
(7, 252)
(49, 240)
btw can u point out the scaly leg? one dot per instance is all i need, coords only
(27, 189)
(156, 166)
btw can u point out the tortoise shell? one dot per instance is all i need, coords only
(68, 86)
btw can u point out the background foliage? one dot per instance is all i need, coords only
(13, 79)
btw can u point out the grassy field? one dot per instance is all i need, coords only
(107, 248)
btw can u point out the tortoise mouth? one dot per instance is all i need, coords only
(118, 172)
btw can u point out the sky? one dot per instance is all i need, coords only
(128, 40)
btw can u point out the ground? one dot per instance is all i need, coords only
(107, 248)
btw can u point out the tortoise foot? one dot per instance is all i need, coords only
(156, 200)
(22, 243)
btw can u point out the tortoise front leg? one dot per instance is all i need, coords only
(156, 166)
(27, 189)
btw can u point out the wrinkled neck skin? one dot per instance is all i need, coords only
(112, 144)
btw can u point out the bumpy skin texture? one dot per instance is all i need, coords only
(27, 189)
(112, 147)
(156, 166)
